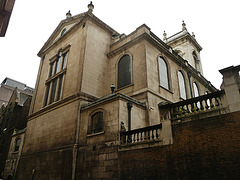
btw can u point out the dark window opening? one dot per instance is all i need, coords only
(124, 71)
(63, 31)
(96, 122)
(17, 144)
(163, 73)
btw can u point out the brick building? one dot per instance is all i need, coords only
(78, 129)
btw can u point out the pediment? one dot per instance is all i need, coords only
(68, 24)
(63, 27)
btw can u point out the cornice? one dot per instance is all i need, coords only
(74, 97)
(159, 44)
(185, 35)
(74, 19)
(112, 97)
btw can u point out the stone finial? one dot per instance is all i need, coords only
(184, 26)
(193, 35)
(68, 15)
(90, 7)
(164, 36)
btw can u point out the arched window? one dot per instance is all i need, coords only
(182, 87)
(163, 73)
(17, 144)
(196, 61)
(63, 31)
(195, 89)
(96, 124)
(9, 177)
(124, 71)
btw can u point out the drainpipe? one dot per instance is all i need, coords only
(75, 146)
(129, 106)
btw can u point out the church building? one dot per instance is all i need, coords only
(95, 84)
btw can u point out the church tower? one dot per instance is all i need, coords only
(186, 46)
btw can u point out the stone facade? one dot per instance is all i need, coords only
(75, 125)
(14, 154)
(13, 117)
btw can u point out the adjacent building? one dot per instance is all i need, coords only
(7, 87)
(15, 103)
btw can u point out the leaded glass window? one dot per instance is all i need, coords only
(51, 70)
(56, 75)
(195, 89)
(124, 71)
(59, 87)
(163, 73)
(58, 63)
(53, 91)
(64, 60)
(17, 144)
(182, 87)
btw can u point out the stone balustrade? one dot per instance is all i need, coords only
(150, 133)
(195, 105)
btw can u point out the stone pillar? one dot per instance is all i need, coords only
(231, 86)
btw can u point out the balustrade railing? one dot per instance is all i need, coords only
(150, 133)
(206, 102)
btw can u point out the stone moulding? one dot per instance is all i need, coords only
(111, 97)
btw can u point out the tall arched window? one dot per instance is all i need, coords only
(182, 87)
(195, 89)
(163, 73)
(17, 144)
(196, 61)
(124, 71)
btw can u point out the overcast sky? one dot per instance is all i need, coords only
(215, 24)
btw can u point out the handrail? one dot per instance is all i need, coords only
(201, 103)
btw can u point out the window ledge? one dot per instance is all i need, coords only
(124, 87)
(166, 89)
(95, 134)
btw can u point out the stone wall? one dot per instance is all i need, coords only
(51, 165)
(98, 152)
(201, 149)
